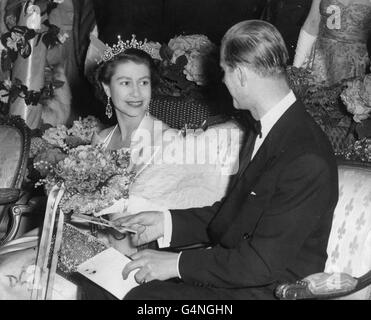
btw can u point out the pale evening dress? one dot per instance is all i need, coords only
(341, 53)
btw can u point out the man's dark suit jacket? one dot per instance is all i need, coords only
(274, 223)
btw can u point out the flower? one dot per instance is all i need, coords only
(37, 146)
(155, 46)
(56, 136)
(194, 70)
(33, 20)
(357, 98)
(16, 39)
(196, 48)
(93, 178)
(63, 37)
(54, 144)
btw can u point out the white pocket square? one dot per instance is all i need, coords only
(253, 193)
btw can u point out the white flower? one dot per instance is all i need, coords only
(33, 20)
(13, 40)
(63, 37)
(196, 48)
(155, 46)
(357, 98)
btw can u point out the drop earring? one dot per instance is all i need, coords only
(109, 108)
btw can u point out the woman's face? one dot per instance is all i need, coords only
(130, 88)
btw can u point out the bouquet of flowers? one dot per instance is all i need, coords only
(55, 142)
(93, 178)
(184, 64)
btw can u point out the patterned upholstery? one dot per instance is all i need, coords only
(349, 247)
(10, 157)
(177, 112)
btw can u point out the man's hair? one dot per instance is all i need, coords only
(256, 44)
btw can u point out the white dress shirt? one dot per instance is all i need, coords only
(271, 117)
(267, 123)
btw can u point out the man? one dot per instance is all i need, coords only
(273, 224)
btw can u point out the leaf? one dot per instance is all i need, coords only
(25, 51)
(39, 36)
(29, 34)
(6, 61)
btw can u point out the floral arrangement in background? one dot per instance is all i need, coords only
(11, 90)
(357, 99)
(323, 103)
(93, 178)
(344, 107)
(184, 63)
(17, 40)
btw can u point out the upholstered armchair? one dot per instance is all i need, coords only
(347, 272)
(14, 202)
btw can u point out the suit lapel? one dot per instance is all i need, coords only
(250, 171)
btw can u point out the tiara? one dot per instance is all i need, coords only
(121, 46)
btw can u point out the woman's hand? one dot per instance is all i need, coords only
(152, 265)
(149, 226)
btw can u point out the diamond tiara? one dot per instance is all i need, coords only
(121, 46)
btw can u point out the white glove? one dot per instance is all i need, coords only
(303, 48)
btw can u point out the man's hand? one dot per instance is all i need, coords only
(152, 265)
(148, 224)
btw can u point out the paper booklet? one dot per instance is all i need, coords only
(105, 269)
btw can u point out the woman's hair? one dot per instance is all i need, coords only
(256, 44)
(106, 70)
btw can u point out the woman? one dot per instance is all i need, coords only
(333, 40)
(167, 174)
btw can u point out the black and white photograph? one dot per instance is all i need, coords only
(185, 154)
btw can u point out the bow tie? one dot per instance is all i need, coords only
(248, 122)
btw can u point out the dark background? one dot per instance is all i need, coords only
(161, 20)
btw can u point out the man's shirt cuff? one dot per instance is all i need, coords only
(177, 264)
(165, 240)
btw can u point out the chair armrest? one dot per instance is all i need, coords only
(323, 286)
(9, 195)
(31, 206)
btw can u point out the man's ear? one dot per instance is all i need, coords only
(241, 76)
(106, 89)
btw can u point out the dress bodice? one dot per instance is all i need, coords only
(354, 21)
